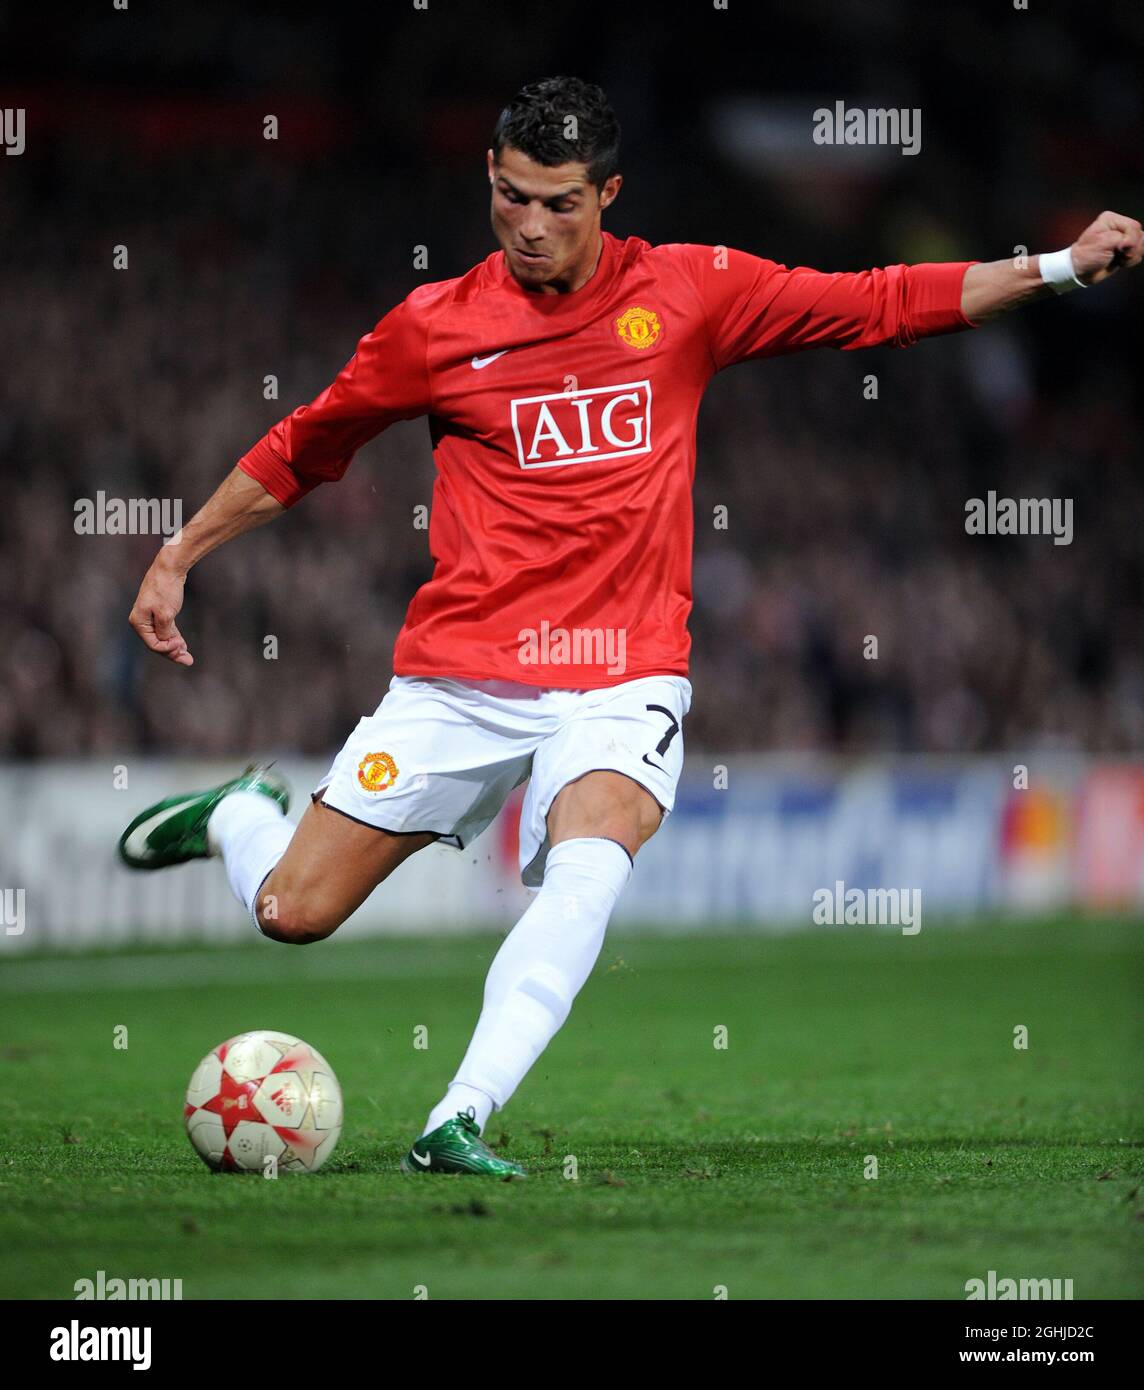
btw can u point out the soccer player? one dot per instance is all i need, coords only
(561, 377)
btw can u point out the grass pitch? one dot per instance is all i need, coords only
(698, 1166)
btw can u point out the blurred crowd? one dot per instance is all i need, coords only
(844, 515)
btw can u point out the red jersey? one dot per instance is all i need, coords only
(563, 431)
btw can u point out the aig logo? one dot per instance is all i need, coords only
(605, 422)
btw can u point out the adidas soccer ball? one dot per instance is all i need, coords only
(261, 1102)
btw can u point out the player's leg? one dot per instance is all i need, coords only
(605, 805)
(590, 801)
(332, 863)
(301, 884)
(307, 880)
(430, 764)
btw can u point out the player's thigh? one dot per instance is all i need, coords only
(330, 867)
(605, 805)
(612, 770)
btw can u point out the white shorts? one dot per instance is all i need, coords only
(442, 755)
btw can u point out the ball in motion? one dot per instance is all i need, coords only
(264, 1096)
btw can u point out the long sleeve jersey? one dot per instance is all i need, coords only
(563, 432)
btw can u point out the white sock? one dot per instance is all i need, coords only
(462, 1097)
(251, 833)
(539, 970)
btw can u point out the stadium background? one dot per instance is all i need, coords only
(251, 257)
(700, 1168)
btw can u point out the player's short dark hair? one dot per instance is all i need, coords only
(535, 122)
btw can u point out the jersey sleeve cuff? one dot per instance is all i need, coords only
(936, 299)
(266, 467)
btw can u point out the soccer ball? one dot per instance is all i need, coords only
(264, 1100)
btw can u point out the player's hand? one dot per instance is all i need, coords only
(158, 603)
(1113, 241)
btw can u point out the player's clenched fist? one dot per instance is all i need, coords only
(153, 617)
(1111, 242)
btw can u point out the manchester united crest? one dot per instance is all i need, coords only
(377, 772)
(638, 327)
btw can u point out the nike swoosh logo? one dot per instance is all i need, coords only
(659, 767)
(424, 1162)
(479, 362)
(136, 842)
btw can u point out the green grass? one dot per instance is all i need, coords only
(698, 1167)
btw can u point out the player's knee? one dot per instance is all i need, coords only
(291, 919)
(631, 822)
(650, 815)
(609, 806)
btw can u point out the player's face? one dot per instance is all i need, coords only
(547, 220)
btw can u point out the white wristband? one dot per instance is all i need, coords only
(1057, 270)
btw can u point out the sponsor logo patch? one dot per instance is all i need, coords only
(602, 422)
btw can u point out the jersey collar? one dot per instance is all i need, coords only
(611, 257)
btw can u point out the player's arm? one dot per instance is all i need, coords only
(238, 505)
(1113, 241)
(385, 380)
(758, 308)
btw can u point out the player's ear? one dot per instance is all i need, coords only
(492, 165)
(610, 191)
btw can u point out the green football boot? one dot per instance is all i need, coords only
(175, 830)
(457, 1147)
